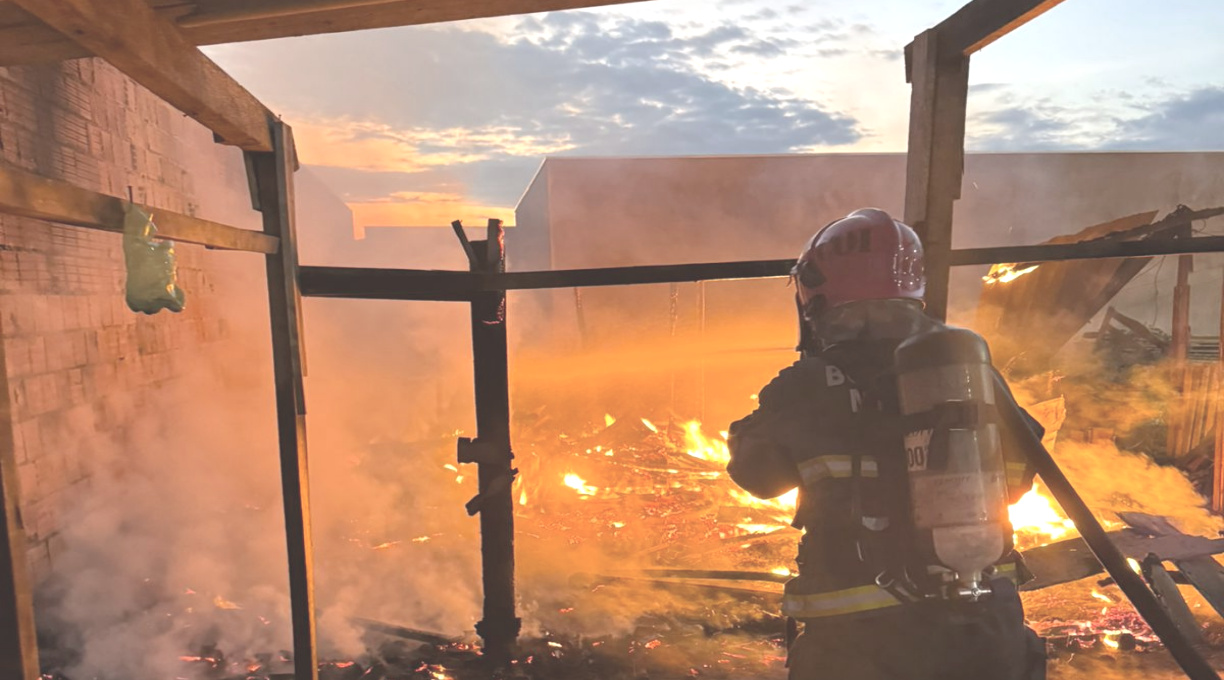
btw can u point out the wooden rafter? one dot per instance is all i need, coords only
(981, 22)
(25, 40)
(30, 195)
(153, 52)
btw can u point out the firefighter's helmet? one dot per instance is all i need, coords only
(866, 255)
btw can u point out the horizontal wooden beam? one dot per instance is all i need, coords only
(24, 40)
(424, 284)
(152, 51)
(1091, 250)
(29, 195)
(981, 22)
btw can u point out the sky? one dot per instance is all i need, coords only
(420, 125)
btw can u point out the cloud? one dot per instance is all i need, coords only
(1191, 120)
(471, 112)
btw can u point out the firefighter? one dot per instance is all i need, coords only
(828, 425)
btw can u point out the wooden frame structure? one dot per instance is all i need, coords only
(154, 42)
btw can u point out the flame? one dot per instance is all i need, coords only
(1102, 597)
(579, 484)
(222, 603)
(1036, 522)
(706, 448)
(649, 425)
(1110, 642)
(1004, 273)
(1134, 565)
(608, 420)
(781, 571)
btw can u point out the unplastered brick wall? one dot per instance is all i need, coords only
(78, 361)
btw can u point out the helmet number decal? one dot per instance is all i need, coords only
(918, 449)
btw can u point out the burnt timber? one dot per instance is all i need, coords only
(439, 285)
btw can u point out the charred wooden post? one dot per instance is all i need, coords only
(274, 182)
(1181, 309)
(935, 161)
(499, 627)
(1217, 472)
(18, 643)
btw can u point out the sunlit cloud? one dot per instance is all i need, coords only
(424, 209)
(380, 147)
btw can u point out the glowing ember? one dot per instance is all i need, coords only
(222, 603)
(781, 571)
(579, 484)
(1134, 565)
(1102, 597)
(420, 539)
(649, 425)
(1004, 273)
(608, 420)
(384, 546)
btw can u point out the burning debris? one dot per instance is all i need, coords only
(639, 557)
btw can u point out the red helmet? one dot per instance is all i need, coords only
(866, 255)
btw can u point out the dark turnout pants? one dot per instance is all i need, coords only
(925, 641)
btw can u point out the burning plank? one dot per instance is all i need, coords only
(1031, 310)
(1071, 560)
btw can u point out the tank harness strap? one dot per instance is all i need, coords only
(945, 417)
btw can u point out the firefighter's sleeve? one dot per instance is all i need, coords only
(1020, 472)
(761, 460)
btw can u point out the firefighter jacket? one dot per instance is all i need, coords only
(816, 428)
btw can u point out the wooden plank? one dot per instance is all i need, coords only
(29, 195)
(1207, 576)
(26, 41)
(935, 161)
(1168, 594)
(18, 640)
(981, 22)
(274, 178)
(153, 52)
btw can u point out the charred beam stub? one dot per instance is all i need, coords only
(499, 627)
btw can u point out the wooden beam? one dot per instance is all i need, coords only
(29, 195)
(499, 626)
(18, 641)
(274, 178)
(440, 285)
(153, 52)
(935, 161)
(981, 22)
(24, 40)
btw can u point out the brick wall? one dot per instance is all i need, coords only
(76, 356)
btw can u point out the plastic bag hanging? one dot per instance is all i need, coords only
(152, 270)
